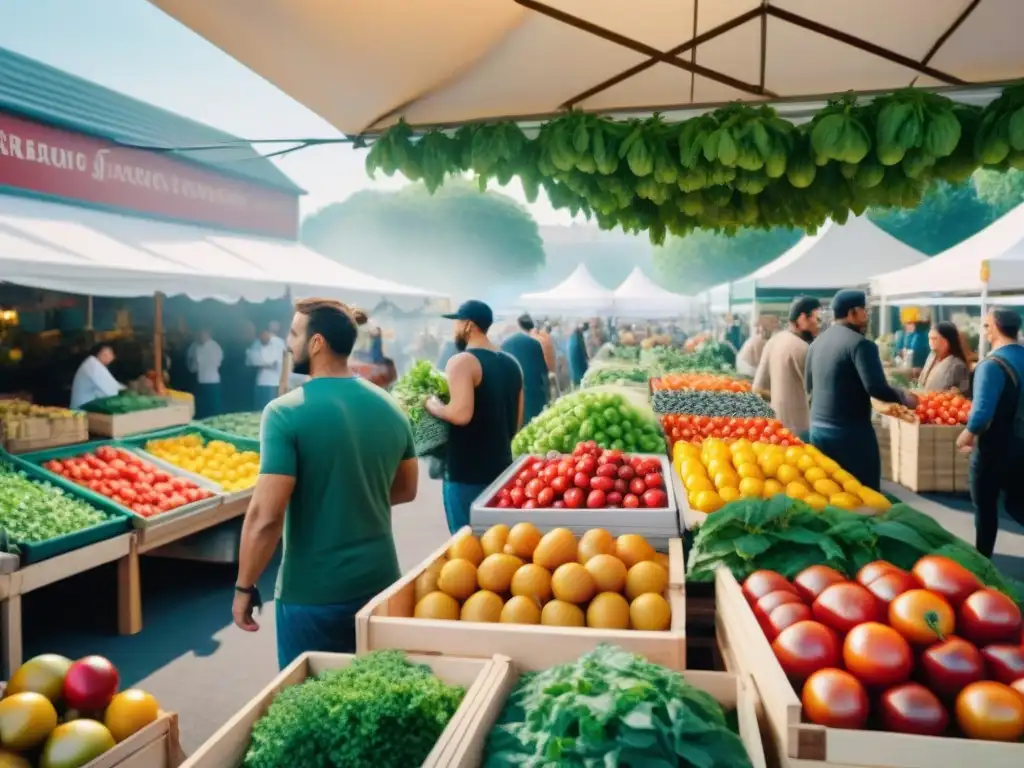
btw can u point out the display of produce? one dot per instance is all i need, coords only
(381, 710)
(612, 708)
(625, 353)
(20, 419)
(518, 576)
(126, 402)
(412, 390)
(787, 536)
(949, 408)
(125, 478)
(244, 424)
(589, 477)
(58, 713)
(716, 472)
(703, 356)
(701, 382)
(220, 461)
(614, 374)
(33, 511)
(610, 419)
(703, 403)
(682, 427)
(840, 640)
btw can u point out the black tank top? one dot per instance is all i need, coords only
(482, 449)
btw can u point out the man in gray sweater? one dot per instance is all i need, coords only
(842, 373)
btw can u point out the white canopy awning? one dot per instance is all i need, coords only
(716, 299)
(77, 250)
(363, 65)
(579, 295)
(639, 296)
(959, 269)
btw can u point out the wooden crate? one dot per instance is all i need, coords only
(155, 746)
(888, 434)
(124, 424)
(927, 455)
(732, 691)
(226, 748)
(800, 741)
(44, 433)
(387, 622)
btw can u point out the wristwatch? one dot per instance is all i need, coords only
(254, 593)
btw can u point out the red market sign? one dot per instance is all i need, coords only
(51, 161)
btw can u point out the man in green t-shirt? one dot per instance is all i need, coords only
(335, 455)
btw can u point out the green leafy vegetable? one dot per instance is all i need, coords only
(414, 387)
(595, 376)
(612, 708)
(32, 511)
(126, 402)
(242, 424)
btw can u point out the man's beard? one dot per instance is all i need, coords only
(461, 342)
(301, 365)
(806, 336)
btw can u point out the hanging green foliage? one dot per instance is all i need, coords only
(739, 166)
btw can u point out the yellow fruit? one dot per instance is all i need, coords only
(559, 614)
(829, 465)
(42, 674)
(26, 719)
(609, 610)
(458, 579)
(692, 468)
(572, 583)
(827, 487)
(692, 497)
(466, 547)
(814, 474)
(841, 476)
(532, 581)
(438, 564)
(844, 500)
(494, 540)
(770, 466)
(556, 547)
(129, 712)
(771, 487)
(608, 572)
(13, 760)
(751, 488)
(873, 499)
(805, 463)
(727, 480)
(595, 542)
(650, 612)
(787, 473)
(631, 548)
(437, 605)
(684, 450)
(496, 571)
(796, 490)
(520, 610)
(522, 540)
(793, 454)
(482, 606)
(816, 501)
(426, 583)
(852, 486)
(661, 559)
(646, 576)
(741, 445)
(697, 483)
(728, 494)
(718, 466)
(749, 471)
(739, 458)
(709, 501)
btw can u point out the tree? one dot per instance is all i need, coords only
(458, 240)
(947, 215)
(1001, 191)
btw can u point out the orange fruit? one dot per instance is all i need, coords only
(458, 579)
(426, 583)
(532, 581)
(596, 541)
(650, 612)
(437, 605)
(496, 571)
(631, 548)
(572, 583)
(466, 547)
(661, 559)
(609, 610)
(609, 573)
(561, 614)
(520, 610)
(129, 712)
(556, 547)
(482, 606)
(797, 490)
(751, 487)
(646, 576)
(494, 540)
(522, 540)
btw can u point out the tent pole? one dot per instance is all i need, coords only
(158, 338)
(883, 319)
(982, 337)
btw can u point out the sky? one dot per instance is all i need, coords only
(132, 47)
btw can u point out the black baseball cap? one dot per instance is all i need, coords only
(475, 312)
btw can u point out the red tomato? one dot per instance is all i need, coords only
(805, 647)
(596, 499)
(528, 504)
(581, 480)
(948, 578)
(649, 466)
(950, 665)
(604, 484)
(655, 498)
(560, 484)
(587, 464)
(626, 472)
(785, 615)
(836, 699)
(614, 499)
(533, 488)
(922, 617)
(654, 480)
(990, 711)
(550, 473)
(811, 582)
(1005, 663)
(574, 498)
(877, 655)
(637, 486)
(771, 601)
(760, 583)
(988, 616)
(891, 585)
(912, 708)
(621, 486)
(517, 495)
(502, 503)
(844, 606)
(544, 498)
(630, 501)
(608, 470)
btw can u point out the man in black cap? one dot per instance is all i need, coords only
(529, 353)
(485, 411)
(842, 373)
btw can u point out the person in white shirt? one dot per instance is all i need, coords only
(204, 360)
(92, 379)
(266, 355)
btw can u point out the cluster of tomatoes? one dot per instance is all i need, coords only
(694, 429)
(126, 479)
(882, 648)
(949, 408)
(590, 477)
(704, 382)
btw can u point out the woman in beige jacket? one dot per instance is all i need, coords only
(946, 366)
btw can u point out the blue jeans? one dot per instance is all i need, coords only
(458, 498)
(263, 397)
(301, 628)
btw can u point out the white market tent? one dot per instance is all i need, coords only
(579, 295)
(639, 296)
(76, 250)
(447, 62)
